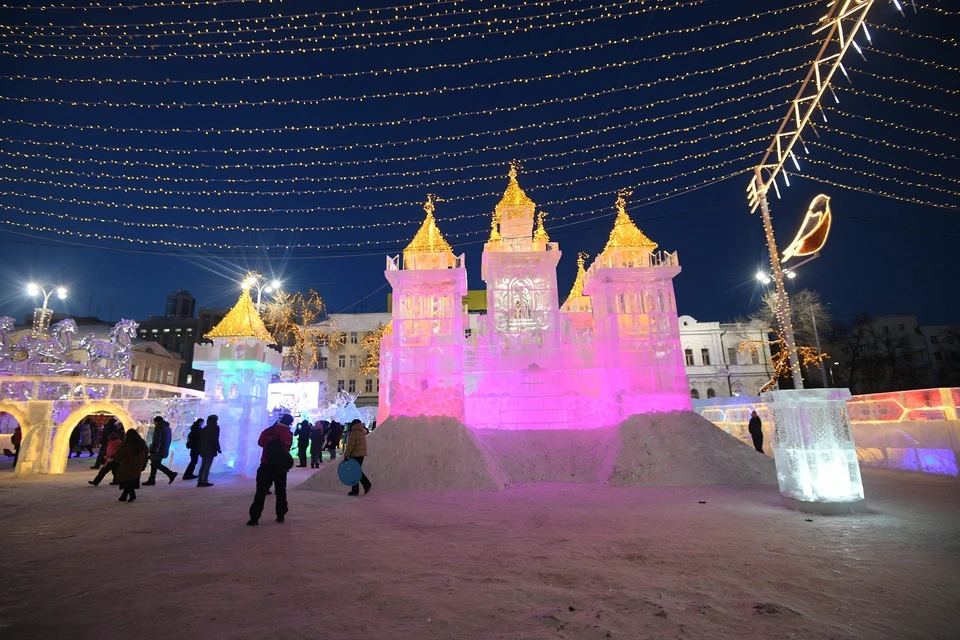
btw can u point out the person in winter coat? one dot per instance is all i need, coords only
(160, 449)
(275, 462)
(209, 448)
(113, 443)
(86, 437)
(193, 446)
(755, 427)
(75, 440)
(334, 435)
(15, 440)
(131, 461)
(318, 438)
(356, 448)
(108, 428)
(303, 441)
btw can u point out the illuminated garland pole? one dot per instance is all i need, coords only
(841, 23)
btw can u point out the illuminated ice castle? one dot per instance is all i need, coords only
(610, 351)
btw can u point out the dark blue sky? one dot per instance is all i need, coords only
(675, 100)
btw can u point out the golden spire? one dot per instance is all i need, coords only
(242, 321)
(625, 233)
(428, 238)
(540, 235)
(577, 290)
(514, 196)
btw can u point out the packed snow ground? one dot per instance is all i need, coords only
(558, 560)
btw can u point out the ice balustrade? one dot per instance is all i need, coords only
(916, 430)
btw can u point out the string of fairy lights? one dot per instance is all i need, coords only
(438, 66)
(714, 138)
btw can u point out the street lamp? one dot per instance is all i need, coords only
(253, 281)
(41, 317)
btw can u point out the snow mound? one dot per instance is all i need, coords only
(678, 448)
(552, 455)
(681, 448)
(419, 454)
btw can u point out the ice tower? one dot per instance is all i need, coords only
(635, 328)
(237, 368)
(611, 351)
(422, 372)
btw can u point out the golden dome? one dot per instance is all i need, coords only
(242, 321)
(625, 234)
(514, 196)
(577, 291)
(428, 238)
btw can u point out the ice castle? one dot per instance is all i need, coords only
(610, 351)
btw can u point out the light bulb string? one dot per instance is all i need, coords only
(302, 245)
(887, 143)
(898, 167)
(391, 95)
(379, 159)
(431, 67)
(895, 125)
(899, 180)
(384, 188)
(876, 192)
(355, 206)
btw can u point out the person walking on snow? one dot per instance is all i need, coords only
(334, 435)
(193, 446)
(356, 448)
(86, 437)
(132, 460)
(756, 431)
(275, 462)
(113, 443)
(108, 428)
(16, 440)
(318, 438)
(209, 448)
(303, 441)
(159, 450)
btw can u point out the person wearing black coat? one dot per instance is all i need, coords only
(755, 427)
(334, 436)
(317, 439)
(193, 446)
(110, 427)
(303, 441)
(159, 450)
(209, 448)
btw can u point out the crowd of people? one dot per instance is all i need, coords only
(124, 454)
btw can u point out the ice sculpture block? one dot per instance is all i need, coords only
(817, 467)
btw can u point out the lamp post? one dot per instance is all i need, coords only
(254, 280)
(41, 317)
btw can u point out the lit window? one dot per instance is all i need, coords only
(154, 331)
(353, 337)
(166, 330)
(189, 378)
(189, 330)
(353, 386)
(368, 386)
(688, 356)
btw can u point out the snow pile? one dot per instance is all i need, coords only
(419, 454)
(678, 448)
(552, 455)
(681, 448)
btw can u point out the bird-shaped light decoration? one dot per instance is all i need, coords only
(814, 230)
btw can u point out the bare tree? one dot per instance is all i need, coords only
(292, 319)
(810, 319)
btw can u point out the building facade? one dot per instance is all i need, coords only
(716, 363)
(343, 368)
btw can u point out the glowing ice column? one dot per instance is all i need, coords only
(817, 466)
(236, 372)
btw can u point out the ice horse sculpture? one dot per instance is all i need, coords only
(237, 368)
(612, 350)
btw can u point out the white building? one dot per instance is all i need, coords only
(340, 368)
(715, 364)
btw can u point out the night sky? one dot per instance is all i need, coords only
(135, 181)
